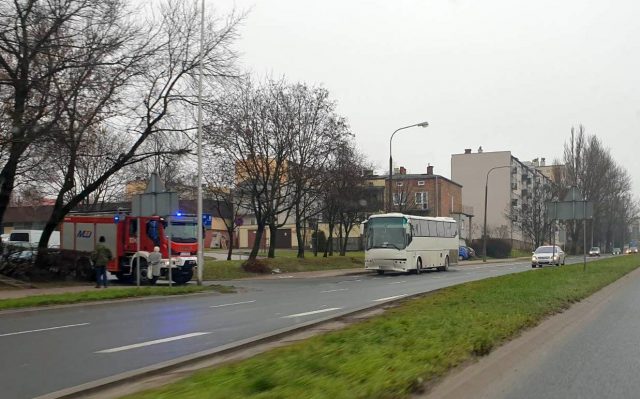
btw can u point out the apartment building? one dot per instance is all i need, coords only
(510, 183)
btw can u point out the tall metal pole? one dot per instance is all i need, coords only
(390, 194)
(486, 191)
(584, 235)
(484, 230)
(199, 216)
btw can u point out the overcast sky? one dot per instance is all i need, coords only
(501, 74)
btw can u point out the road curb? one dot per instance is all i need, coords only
(132, 376)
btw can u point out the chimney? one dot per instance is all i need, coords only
(396, 171)
(542, 162)
(535, 162)
(467, 150)
(430, 170)
(403, 171)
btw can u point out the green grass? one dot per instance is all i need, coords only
(384, 357)
(232, 269)
(108, 294)
(519, 253)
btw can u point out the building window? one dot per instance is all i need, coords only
(399, 198)
(421, 182)
(422, 200)
(514, 202)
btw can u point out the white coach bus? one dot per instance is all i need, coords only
(405, 243)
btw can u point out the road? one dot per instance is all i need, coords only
(47, 350)
(591, 351)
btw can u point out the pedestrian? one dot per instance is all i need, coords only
(155, 261)
(100, 257)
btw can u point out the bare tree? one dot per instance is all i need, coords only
(531, 216)
(252, 126)
(591, 168)
(318, 131)
(157, 86)
(51, 55)
(227, 196)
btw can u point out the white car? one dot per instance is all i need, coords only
(594, 251)
(548, 255)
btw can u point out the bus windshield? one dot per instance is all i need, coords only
(184, 232)
(386, 233)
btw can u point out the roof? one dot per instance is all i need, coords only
(419, 176)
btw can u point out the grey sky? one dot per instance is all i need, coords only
(504, 75)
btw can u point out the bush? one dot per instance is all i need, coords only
(256, 266)
(496, 247)
(57, 264)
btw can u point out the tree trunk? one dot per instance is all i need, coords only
(273, 230)
(343, 250)
(230, 249)
(256, 244)
(7, 179)
(300, 237)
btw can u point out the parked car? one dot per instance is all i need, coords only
(633, 250)
(548, 255)
(594, 251)
(463, 253)
(616, 251)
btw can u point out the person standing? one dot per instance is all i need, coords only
(100, 257)
(155, 262)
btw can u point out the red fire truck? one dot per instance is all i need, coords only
(121, 233)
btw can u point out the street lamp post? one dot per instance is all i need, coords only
(199, 208)
(390, 195)
(486, 191)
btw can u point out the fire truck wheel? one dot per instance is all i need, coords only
(182, 278)
(124, 278)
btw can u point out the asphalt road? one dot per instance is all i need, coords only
(597, 357)
(47, 350)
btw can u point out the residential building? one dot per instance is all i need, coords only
(510, 185)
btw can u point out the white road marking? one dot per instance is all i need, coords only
(231, 304)
(154, 342)
(44, 329)
(389, 298)
(348, 281)
(308, 313)
(399, 282)
(341, 289)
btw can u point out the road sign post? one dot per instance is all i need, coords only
(570, 209)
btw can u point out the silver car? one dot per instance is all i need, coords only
(548, 255)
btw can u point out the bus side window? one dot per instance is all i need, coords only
(433, 231)
(440, 229)
(410, 234)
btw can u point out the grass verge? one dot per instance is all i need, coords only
(420, 340)
(232, 269)
(103, 295)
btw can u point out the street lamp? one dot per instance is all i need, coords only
(486, 190)
(199, 210)
(390, 195)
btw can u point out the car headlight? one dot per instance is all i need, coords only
(556, 257)
(534, 258)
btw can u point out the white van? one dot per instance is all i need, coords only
(31, 238)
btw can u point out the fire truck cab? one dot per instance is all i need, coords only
(176, 239)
